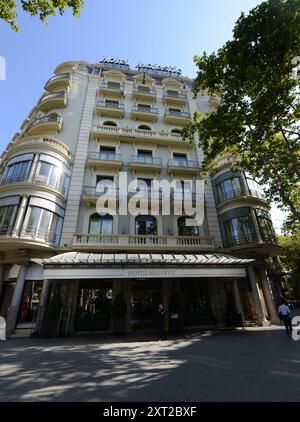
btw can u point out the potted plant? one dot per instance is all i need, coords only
(51, 318)
(119, 311)
(176, 313)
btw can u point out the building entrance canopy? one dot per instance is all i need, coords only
(81, 265)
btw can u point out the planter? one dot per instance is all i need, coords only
(93, 325)
(176, 324)
(119, 326)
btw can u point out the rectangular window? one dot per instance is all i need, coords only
(40, 223)
(113, 85)
(107, 153)
(240, 230)
(49, 174)
(111, 104)
(142, 88)
(7, 215)
(180, 160)
(175, 111)
(229, 188)
(172, 93)
(144, 156)
(144, 107)
(17, 172)
(104, 184)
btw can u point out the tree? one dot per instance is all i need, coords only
(291, 261)
(257, 118)
(41, 8)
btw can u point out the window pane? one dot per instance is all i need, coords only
(95, 224)
(180, 159)
(107, 224)
(145, 225)
(33, 220)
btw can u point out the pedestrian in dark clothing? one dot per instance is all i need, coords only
(162, 320)
(285, 315)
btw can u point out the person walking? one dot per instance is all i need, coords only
(285, 315)
(162, 320)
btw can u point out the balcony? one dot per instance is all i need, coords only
(183, 167)
(110, 109)
(105, 160)
(145, 164)
(116, 242)
(176, 117)
(133, 135)
(47, 143)
(38, 234)
(175, 98)
(146, 114)
(90, 194)
(250, 195)
(40, 125)
(22, 179)
(112, 89)
(52, 101)
(61, 81)
(141, 93)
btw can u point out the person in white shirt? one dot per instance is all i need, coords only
(285, 314)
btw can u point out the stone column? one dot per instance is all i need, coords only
(217, 301)
(33, 168)
(126, 283)
(267, 292)
(124, 286)
(43, 303)
(20, 216)
(16, 301)
(72, 302)
(257, 300)
(238, 302)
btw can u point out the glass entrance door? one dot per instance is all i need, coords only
(146, 295)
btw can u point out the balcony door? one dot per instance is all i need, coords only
(101, 224)
(145, 225)
(144, 156)
(180, 160)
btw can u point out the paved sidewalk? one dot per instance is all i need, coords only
(253, 365)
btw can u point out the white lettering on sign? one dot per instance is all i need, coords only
(152, 273)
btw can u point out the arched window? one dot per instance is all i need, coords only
(144, 127)
(101, 224)
(110, 123)
(184, 230)
(145, 225)
(177, 131)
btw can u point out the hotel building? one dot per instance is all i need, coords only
(100, 121)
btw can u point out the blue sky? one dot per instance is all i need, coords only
(165, 32)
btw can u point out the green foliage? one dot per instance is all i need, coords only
(175, 303)
(119, 307)
(258, 115)
(41, 8)
(291, 260)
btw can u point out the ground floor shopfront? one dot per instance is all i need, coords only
(215, 291)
